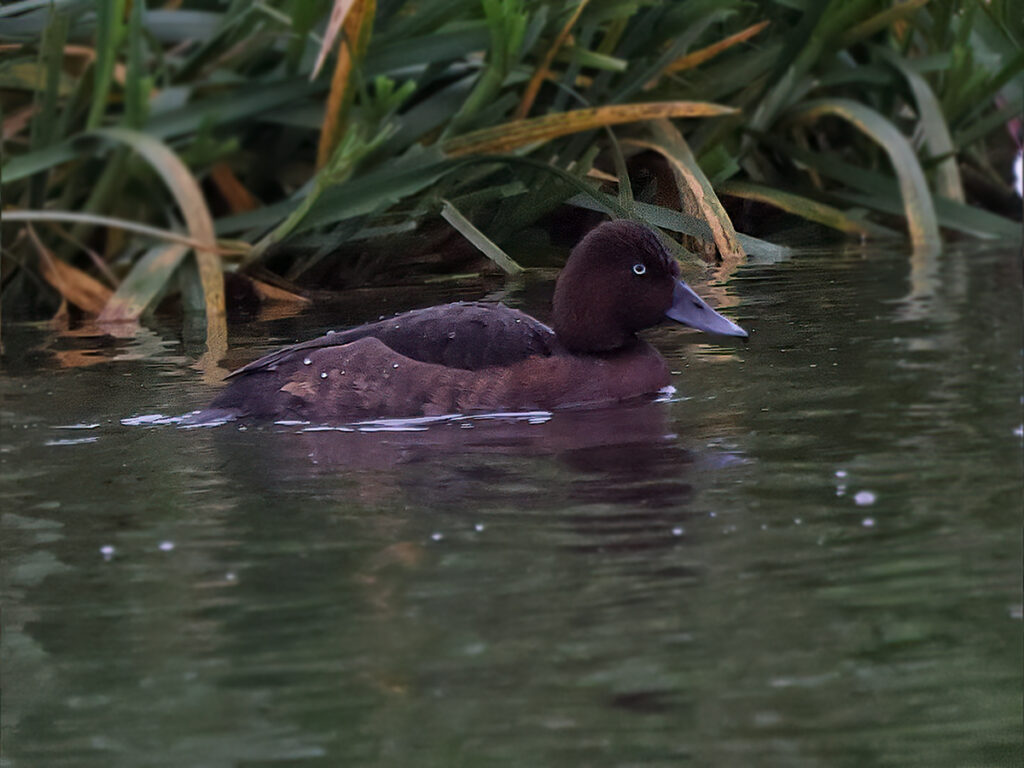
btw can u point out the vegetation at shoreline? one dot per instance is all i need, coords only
(297, 143)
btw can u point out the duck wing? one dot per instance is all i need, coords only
(465, 335)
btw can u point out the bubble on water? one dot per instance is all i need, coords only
(437, 536)
(678, 531)
(864, 498)
(478, 527)
(107, 550)
(840, 473)
(230, 576)
(166, 546)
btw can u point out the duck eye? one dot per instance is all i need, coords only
(639, 269)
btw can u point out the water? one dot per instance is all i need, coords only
(811, 555)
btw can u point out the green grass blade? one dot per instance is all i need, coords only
(150, 279)
(932, 124)
(109, 30)
(484, 244)
(675, 221)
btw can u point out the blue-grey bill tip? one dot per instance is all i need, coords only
(690, 309)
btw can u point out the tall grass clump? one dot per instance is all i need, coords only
(149, 147)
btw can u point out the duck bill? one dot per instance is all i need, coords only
(690, 309)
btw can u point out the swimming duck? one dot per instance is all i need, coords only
(471, 356)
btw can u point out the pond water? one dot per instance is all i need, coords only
(809, 555)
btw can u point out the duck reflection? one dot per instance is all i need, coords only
(614, 455)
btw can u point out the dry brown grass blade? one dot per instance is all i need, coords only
(356, 22)
(597, 173)
(544, 69)
(518, 133)
(235, 194)
(76, 287)
(273, 293)
(673, 147)
(17, 122)
(696, 58)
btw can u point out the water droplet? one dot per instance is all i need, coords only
(323, 375)
(798, 521)
(678, 531)
(478, 527)
(331, 333)
(107, 551)
(437, 536)
(868, 522)
(840, 490)
(230, 576)
(307, 361)
(864, 498)
(395, 365)
(840, 473)
(166, 546)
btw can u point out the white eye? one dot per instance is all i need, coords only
(639, 269)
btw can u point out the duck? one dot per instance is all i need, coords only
(467, 357)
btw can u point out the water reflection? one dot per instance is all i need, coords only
(810, 557)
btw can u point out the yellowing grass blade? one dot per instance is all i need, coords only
(917, 201)
(803, 207)
(358, 22)
(544, 68)
(883, 20)
(673, 147)
(519, 133)
(695, 59)
(202, 288)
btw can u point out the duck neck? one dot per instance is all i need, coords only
(593, 340)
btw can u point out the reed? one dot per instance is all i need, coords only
(295, 127)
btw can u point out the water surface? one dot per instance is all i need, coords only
(809, 556)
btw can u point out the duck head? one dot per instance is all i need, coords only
(620, 279)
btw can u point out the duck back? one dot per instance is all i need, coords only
(469, 335)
